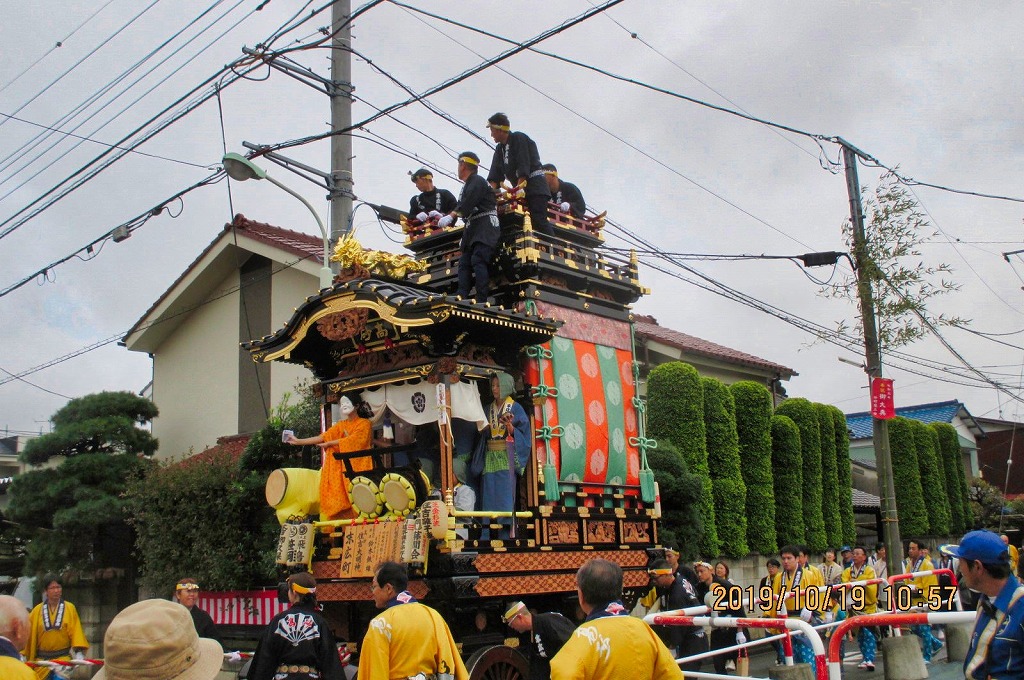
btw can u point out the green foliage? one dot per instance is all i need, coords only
(845, 484)
(675, 413)
(933, 478)
(730, 493)
(205, 518)
(829, 477)
(265, 451)
(903, 286)
(681, 521)
(956, 481)
(74, 511)
(787, 471)
(987, 504)
(802, 413)
(106, 422)
(754, 434)
(906, 476)
(73, 508)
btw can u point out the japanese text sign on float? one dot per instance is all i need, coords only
(882, 401)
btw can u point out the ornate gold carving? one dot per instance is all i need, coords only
(349, 253)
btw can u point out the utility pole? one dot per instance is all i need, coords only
(341, 118)
(873, 363)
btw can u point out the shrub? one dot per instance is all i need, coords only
(843, 476)
(906, 476)
(205, 518)
(754, 434)
(803, 414)
(730, 493)
(787, 471)
(956, 480)
(675, 413)
(681, 522)
(933, 479)
(829, 477)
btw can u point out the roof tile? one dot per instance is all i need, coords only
(647, 326)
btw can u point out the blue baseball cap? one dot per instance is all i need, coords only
(984, 546)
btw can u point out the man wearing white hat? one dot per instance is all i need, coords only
(156, 640)
(548, 633)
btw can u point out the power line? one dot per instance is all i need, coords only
(138, 99)
(185, 111)
(91, 249)
(114, 338)
(101, 143)
(32, 384)
(57, 45)
(449, 82)
(87, 56)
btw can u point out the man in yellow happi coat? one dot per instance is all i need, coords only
(55, 629)
(407, 639)
(609, 644)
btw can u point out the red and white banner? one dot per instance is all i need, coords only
(883, 405)
(241, 607)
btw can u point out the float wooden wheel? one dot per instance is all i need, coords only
(497, 663)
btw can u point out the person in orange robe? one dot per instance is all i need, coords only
(351, 433)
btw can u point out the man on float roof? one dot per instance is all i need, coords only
(517, 160)
(431, 202)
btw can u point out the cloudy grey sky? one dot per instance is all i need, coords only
(932, 87)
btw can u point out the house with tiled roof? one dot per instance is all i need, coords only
(243, 285)
(657, 345)
(968, 428)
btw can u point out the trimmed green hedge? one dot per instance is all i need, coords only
(802, 412)
(681, 522)
(787, 471)
(829, 478)
(754, 435)
(843, 475)
(933, 479)
(956, 480)
(730, 493)
(906, 477)
(675, 413)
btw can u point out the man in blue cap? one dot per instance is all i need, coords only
(997, 645)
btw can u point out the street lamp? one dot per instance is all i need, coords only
(241, 169)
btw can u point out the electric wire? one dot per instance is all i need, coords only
(7, 161)
(450, 82)
(7, 225)
(621, 139)
(57, 45)
(84, 58)
(129, 225)
(101, 143)
(195, 55)
(32, 384)
(763, 121)
(118, 336)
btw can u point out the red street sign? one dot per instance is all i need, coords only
(882, 403)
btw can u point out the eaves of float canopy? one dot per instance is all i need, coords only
(438, 323)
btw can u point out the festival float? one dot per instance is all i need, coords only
(391, 332)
